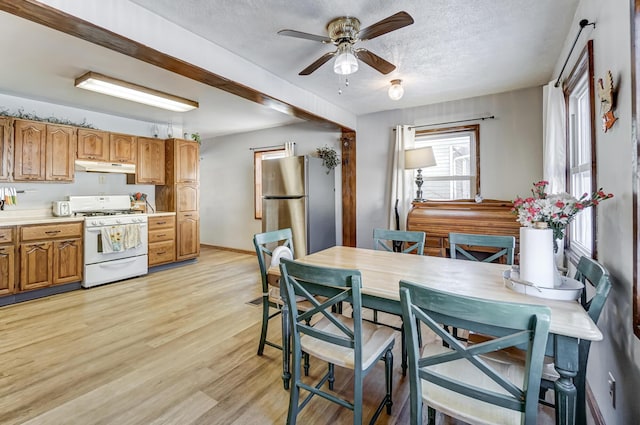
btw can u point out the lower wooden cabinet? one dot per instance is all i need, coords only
(188, 235)
(50, 254)
(162, 239)
(7, 260)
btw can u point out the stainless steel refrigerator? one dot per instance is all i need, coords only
(298, 193)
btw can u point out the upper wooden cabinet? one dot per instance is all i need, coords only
(6, 161)
(93, 144)
(43, 152)
(187, 161)
(122, 148)
(150, 167)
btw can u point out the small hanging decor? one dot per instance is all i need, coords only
(606, 94)
(329, 157)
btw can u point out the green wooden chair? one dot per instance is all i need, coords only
(406, 242)
(506, 245)
(487, 391)
(264, 244)
(339, 340)
(596, 276)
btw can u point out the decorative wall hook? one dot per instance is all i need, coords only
(607, 98)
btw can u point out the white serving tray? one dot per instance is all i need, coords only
(570, 289)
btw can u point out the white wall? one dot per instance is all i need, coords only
(510, 149)
(619, 351)
(40, 195)
(226, 181)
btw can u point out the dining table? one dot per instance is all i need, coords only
(382, 271)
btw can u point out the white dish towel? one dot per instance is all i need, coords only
(112, 238)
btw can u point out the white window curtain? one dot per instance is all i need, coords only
(401, 181)
(289, 148)
(554, 144)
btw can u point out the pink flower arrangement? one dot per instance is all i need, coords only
(557, 210)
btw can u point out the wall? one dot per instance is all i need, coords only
(510, 149)
(40, 195)
(226, 181)
(619, 351)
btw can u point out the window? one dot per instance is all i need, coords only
(581, 171)
(457, 173)
(258, 157)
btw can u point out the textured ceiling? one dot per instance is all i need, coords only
(455, 49)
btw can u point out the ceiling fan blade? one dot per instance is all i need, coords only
(318, 63)
(374, 61)
(306, 36)
(392, 23)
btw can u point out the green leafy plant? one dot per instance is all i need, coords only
(329, 156)
(21, 114)
(196, 137)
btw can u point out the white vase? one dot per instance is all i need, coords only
(536, 257)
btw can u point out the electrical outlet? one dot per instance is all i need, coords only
(102, 179)
(612, 390)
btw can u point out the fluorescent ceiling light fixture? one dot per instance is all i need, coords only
(346, 62)
(125, 90)
(396, 90)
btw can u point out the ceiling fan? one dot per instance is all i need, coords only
(344, 32)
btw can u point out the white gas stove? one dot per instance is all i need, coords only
(115, 238)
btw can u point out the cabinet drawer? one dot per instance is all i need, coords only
(162, 222)
(6, 234)
(161, 252)
(159, 235)
(51, 231)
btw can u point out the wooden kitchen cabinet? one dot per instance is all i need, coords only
(6, 160)
(181, 193)
(50, 254)
(150, 167)
(7, 260)
(44, 152)
(188, 227)
(162, 239)
(93, 145)
(122, 148)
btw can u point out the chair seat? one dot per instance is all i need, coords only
(303, 305)
(466, 408)
(375, 341)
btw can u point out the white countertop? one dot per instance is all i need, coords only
(43, 216)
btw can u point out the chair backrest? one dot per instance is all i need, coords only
(591, 272)
(264, 244)
(413, 241)
(323, 288)
(506, 243)
(514, 324)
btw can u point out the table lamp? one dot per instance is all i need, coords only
(419, 158)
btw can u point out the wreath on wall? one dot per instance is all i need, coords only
(329, 156)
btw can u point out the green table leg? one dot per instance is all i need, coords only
(566, 363)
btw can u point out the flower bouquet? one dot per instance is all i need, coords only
(556, 210)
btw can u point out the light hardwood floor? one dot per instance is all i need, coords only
(177, 346)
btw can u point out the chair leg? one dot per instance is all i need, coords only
(375, 316)
(431, 416)
(419, 333)
(306, 364)
(332, 377)
(388, 374)
(404, 353)
(265, 324)
(294, 393)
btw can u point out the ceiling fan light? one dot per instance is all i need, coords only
(396, 90)
(346, 62)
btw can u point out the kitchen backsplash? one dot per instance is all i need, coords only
(41, 195)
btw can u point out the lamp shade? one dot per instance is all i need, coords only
(346, 62)
(419, 158)
(396, 90)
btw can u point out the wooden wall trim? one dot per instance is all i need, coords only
(596, 414)
(348, 142)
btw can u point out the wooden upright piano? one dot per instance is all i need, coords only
(438, 218)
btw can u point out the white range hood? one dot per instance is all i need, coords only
(105, 167)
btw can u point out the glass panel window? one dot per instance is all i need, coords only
(457, 173)
(258, 157)
(580, 156)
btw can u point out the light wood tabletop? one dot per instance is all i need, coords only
(382, 272)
